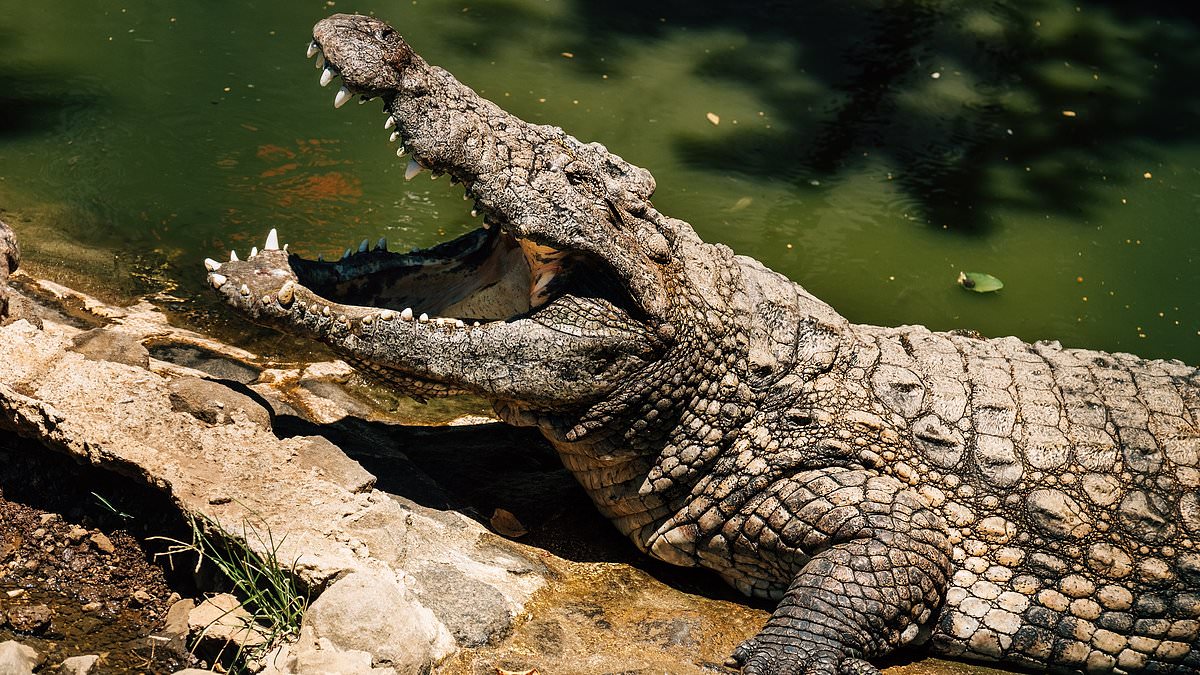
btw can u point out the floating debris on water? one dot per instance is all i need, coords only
(979, 282)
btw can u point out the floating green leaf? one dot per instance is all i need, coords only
(979, 282)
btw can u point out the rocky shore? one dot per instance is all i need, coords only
(458, 545)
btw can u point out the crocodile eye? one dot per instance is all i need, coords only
(385, 33)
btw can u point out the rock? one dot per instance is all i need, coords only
(10, 255)
(78, 665)
(76, 534)
(348, 613)
(140, 598)
(317, 452)
(31, 619)
(311, 655)
(223, 619)
(102, 344)
(18, 659)
(175, 626)
(193, 671)
(92, 606)
(215, 403)
(102, 543)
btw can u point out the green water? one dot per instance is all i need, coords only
(869, 150)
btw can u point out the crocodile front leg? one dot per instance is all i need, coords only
(878, 575)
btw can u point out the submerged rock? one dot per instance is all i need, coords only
(78, 665)
(30, 619)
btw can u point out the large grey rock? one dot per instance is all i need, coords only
(18, 659)
(375, 614)
(215, 403)
(318, 454)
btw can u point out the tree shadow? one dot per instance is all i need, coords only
(947, 96)
(32, 100)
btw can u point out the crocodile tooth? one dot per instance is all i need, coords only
(407, 314)
(286, 293)
(346, 254)
(267, 299)
(340, 98)
(400, 151)
(244, 290)
(424, 318)
(390, 122)
(325, 311)
(272, 241)
(381, 245)
(327, 76)
(211, 265)
(313, 48)
(320, 258)
(368, 320)
(412, 169)
(253, 251)
(475, 325)
(458, 323)
(474, 213)
(233, 256)
(362, 100)
(394, 136)
(217, 280)
(387, 315)
(321, 61)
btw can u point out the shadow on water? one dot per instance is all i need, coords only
(946, 95)
(31, 100)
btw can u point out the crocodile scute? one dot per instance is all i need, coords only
(889, 487)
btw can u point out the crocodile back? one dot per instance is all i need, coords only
(1070, 484)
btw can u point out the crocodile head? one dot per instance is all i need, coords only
(563, 294)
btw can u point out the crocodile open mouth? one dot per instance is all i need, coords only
(488, 274)
(503, 294)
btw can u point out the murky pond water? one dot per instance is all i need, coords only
(868, 149)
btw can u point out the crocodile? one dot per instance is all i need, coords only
(889, 487)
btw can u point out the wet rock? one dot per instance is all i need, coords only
(215, 403)
(140, 598)
(30, 619)
(101, 344)
(102, 543)
(348, 614)
(18, 659)
(78, 665)
(222, 619)
(318, 453)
